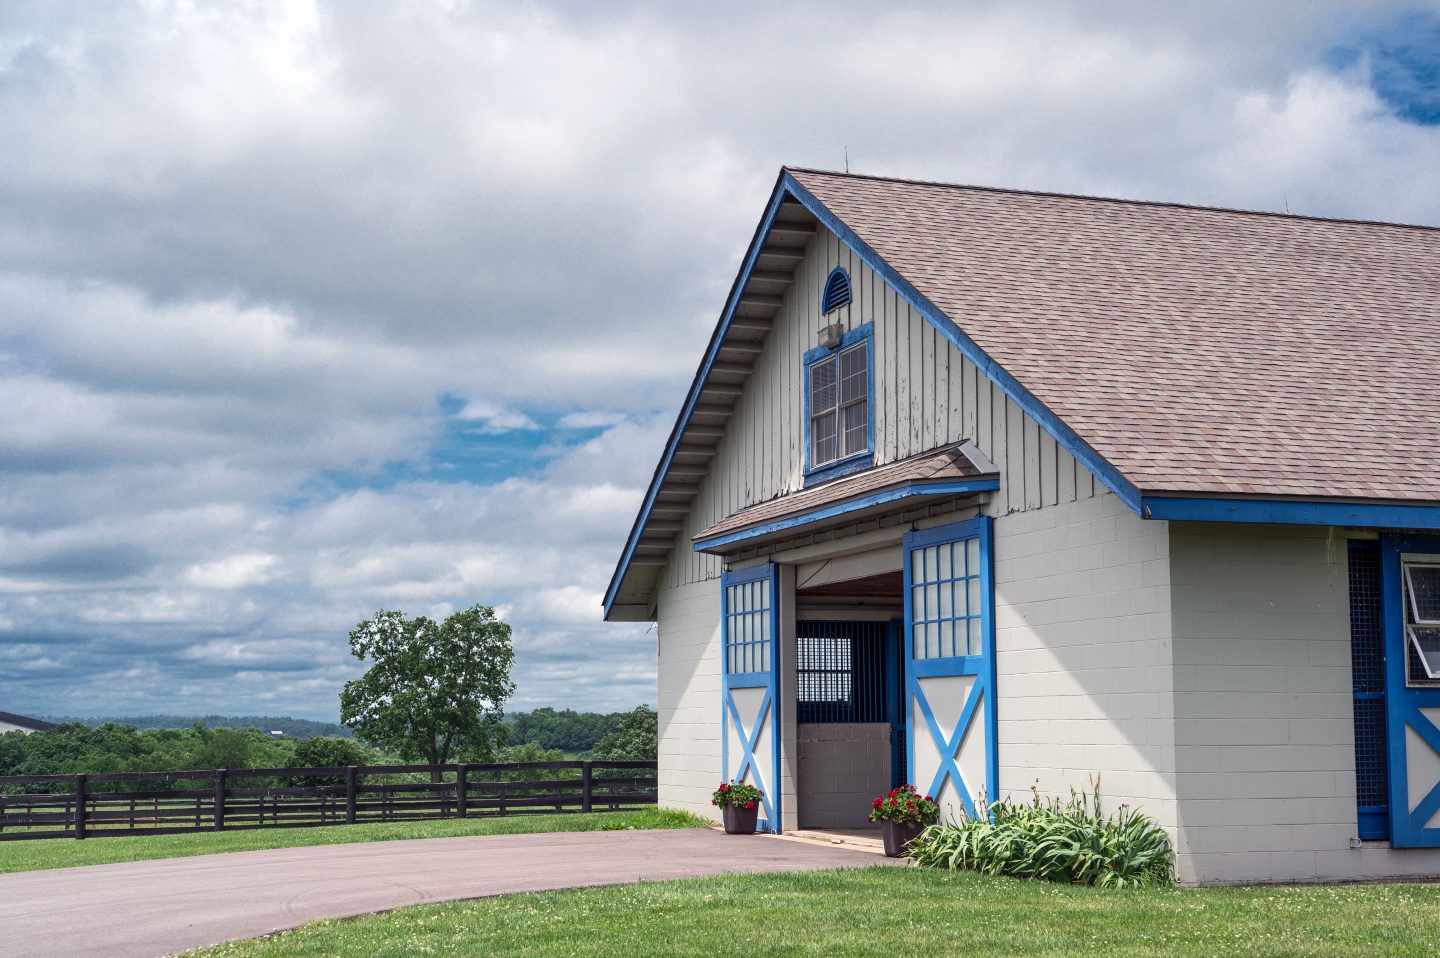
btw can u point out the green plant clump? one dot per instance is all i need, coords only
(1072, 841)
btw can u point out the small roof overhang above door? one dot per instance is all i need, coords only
(955, 470)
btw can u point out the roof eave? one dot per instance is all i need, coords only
(1277, 510)
(692, 397)
(880, 501)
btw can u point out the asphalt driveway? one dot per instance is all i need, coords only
(149, 909)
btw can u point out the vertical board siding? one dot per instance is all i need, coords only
(926, 395)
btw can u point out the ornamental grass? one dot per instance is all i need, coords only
(1073, 841)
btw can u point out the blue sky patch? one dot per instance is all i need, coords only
(1404, 63)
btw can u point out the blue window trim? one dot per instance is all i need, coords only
(959, 487)
(770, 810)
(1402, 703)
(837, 284)
(855, 462)
(981, 666)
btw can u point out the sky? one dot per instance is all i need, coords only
(313, 309)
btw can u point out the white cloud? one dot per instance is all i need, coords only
(234, 572)
(496, 419)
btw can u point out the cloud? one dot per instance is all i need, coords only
(495, 419)
(234, 572)
(311, 309)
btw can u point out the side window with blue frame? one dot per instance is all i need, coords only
(839, 391)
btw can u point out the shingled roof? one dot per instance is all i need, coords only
(1204, 364)
(946, 471)
(1197, 350)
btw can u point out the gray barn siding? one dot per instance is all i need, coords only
(926, 395)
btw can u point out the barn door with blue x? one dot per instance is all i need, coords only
(950, 666)
(750, 738)
(1410, 609)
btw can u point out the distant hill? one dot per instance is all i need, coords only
(292, 727)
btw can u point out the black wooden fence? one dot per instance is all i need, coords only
(120, 803)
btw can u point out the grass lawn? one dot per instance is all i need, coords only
(873, 911)
(65, 852)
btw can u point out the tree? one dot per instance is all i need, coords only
(325, 752)
(434, 687)
(636, 740)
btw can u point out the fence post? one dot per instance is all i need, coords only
(350, 794)
(219, 799)
(80, 805)
(462, 788)
(587, 786)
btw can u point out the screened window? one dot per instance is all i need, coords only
(840, 405)
(825, 673)
(840, 671)
(747, 627)
(945, 608)
(1422, 622)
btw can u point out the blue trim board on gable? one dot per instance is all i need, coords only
(712, 352)
(957, 488)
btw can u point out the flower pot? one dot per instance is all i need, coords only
(897, 836)
(740, 820)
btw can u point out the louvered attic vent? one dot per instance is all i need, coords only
(837, 291)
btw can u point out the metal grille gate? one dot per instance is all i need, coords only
(1367, 658)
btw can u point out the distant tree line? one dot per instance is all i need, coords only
(114, 747)
(292, 727)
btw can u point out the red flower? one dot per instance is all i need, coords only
(929, 799)
(724, 788)
(876, 803)
(893, 791)
(749, 804)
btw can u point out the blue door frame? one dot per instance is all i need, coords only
(924, 661)
(749, 636)
(1405, 723)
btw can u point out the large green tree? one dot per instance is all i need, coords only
(433, 687)
(637, 738)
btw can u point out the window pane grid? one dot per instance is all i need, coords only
(1421, 585)
(945, 600)
(840, 672)
(747, 627)
(840, 405)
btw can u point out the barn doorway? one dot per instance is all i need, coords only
(849, 690)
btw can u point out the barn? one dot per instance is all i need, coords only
(10, 722)
(993, 491)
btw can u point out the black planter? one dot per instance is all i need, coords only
(897, 836)
(740, 820)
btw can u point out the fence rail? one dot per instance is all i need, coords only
(119, 803)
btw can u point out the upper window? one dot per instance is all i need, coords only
(838, 400)
(837, 291)
(1422, 620)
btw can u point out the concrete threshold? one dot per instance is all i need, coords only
(855, 839)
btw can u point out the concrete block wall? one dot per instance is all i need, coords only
(843, 767)
(689, 695)
(1264, 728)
(1083, 668)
